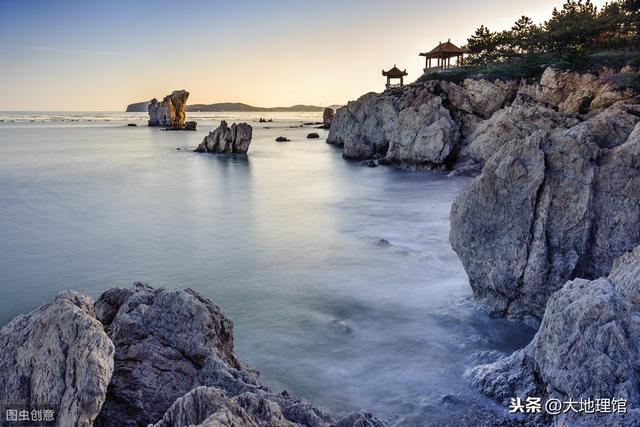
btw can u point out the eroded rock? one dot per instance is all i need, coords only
(587, 347)
(170, 111)
(225, 139)
(327, 117)
(547, 209)
(58, 355)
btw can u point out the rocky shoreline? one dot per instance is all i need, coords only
(143, 356)
(549, 229)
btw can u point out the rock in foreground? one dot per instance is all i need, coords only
(588, 347)
(225, 139)
(170, 111)
(60, 356)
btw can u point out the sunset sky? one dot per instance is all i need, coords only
(103, 55)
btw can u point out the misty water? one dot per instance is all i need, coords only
(285, 240)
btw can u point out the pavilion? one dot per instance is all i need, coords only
(394, 73)
(443, 54)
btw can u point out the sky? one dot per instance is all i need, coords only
(102, 55)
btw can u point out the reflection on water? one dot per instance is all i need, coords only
(284, 240)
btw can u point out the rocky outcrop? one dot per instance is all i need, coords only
(57, 356)
(551, 207)
(225, 139)
(411, 126)
(459, 125)
(170, 111)
(327, 117)
(587, 347)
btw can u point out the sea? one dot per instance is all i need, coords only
(339, 278)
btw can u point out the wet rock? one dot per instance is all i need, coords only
(57, 355)
(327, 117)
(382, 243)
(547, 209)
(587, 347)
(132, 124)
(313, 135)
(371, 163)
(170, 111)
(282, 139)
(225, 139)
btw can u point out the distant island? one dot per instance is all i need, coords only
(233, 106)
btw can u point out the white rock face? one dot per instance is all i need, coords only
(549, 208)
(225, 139)
(57, 355)
(587, 347)
(170, 111)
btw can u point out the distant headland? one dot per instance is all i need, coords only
(232, 106)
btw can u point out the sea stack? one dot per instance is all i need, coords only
(225, 139)
(327, 117)
(170, 111)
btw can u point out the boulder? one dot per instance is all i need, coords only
(170, 111)
(549, 208)
(587, 347)
(313, 135)
(57, 356)
(169, 343)
(327, 117)
(282, 139)
(225, 139)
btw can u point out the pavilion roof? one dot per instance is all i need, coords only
(394, 72)
(447, 48)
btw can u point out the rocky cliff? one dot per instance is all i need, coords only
(140, 356)
(587, 348)
(225, 139)
(440, 123)
(170, 111)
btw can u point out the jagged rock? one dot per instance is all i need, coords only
(409, 126)
(574, 92)
(212, 407)
(512, 123)
(57, 355)
(552, 207)
(587, 347)
(225, 139)
(170, 111)
(169, 342)
(327, 117)
(360, 419)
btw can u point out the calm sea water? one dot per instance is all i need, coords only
(283, 240)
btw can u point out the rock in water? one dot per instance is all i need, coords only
(327, 117)
(57, 355)
(587, 347)
(170, 111)
(550, 208)
(225, 139)
(313, 135)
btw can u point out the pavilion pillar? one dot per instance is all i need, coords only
(401, 81)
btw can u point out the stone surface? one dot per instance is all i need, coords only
(170, 111)
(170, 342)
(327, 117)
(225, 139)
(212, 407)
(57, 355)
(546, 209)
(587, 347)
